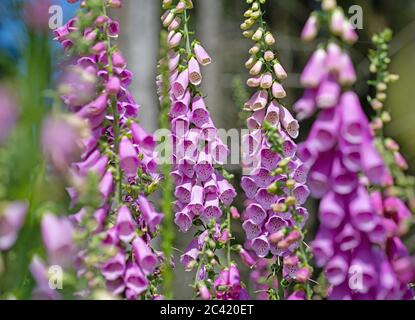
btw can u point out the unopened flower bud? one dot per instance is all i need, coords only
(276, 237)
(376, 104)
(269, 39)
(291, 201)
(269, 55)
(258, 35)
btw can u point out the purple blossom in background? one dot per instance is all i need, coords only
(8, 114)
(111, 115)
(357, 242)
(12, 218)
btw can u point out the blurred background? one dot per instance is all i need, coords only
(217, 24)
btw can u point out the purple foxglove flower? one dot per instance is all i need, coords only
(183, 220)
(113, 86)
(115, 287)
(315, 70)
(57, 236)
(125, 225)
(289, 123)
(174, 60)
(204, 292)
(332, 211)
(256, 120)
(261, 246)
(269, 159)
(328, 93)
(151, 217)
(301, 193)
(306, 106)
(355, 127)
(280, 72)
(36, 15)
(266, 83)
(12, 217)
(361, 211)
(256, 213)
(334, 58)
(195, 77)
(337, 22)
(202, 55)
(200, 115)
(249, 186)
(246, 258)
(351, 156)
(342, 181)
(260, 100)
(95, 107)
(310, 29)
(61, 140)
(234, 277)
(180, 85)
(135, 280)
(181, 106)
(128, 157)
(337, 269)
(174, 39)
(212, 208)
(8, 114)
(297, 295)
(40, 274)
(405, 269)
(324, 132)
(114, 267)
(77, 86)
(347, 75)
(372, 163)
(219, 151)
(106, 185)
(226, 191)
(113, 28)
(275, 224)
(203, 167)
(143, 255)
(197, 200)
(349, 35)
(262, 177)
(278, 91)
(319, 173)
(323, 247)
(363, 264)
(349, 238)
(265, 199)
(252, 230)
(99, 167)
(183, 192)
(210, 186)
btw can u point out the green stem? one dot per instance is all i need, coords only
(116, 124)
(186, 34)
(167, 230)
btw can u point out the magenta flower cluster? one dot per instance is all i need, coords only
(357, 242)
(200, 188)
(274, 177)
(118, 151)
